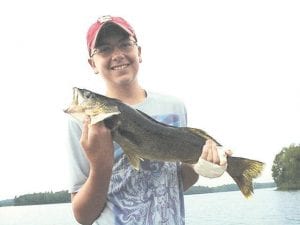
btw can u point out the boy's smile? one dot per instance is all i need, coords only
(120, 67)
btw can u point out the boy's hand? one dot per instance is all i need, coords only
(96, 141)
(213, 160)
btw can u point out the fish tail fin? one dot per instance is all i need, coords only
(243, 171)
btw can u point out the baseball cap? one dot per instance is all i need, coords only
(95, 28)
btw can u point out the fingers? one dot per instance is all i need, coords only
(205, 151)
(85, 132)
(215, 155)
(228, 152)
(222, 156)
(210, 153)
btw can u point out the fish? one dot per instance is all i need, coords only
(142, 137)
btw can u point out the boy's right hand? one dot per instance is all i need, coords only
(96, 140)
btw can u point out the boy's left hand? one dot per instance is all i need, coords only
(213, 160)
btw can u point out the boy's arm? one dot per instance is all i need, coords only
(189, 176)
(90, 200)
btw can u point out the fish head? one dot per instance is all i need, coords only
(86, 103)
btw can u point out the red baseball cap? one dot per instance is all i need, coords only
(95, 28)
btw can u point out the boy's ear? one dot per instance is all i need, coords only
(92, 64)
(140, 54)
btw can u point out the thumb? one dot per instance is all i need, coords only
(85, 132)
(223, 153)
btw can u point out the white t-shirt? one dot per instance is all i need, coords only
(151, 196)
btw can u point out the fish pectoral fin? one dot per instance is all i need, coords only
(134, 161)
(102, 116)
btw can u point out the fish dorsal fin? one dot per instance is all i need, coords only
(134, 160)
(153, 120)
(200, 133)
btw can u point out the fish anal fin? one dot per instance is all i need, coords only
(134, 160)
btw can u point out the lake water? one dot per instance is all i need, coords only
(267, 207)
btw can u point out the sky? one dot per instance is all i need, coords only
(235, 64)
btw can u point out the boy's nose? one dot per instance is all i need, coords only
(117, 53)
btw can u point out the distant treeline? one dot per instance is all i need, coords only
(224, 188)
(38, 198)
(64, 196)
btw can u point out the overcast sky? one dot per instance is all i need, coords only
(234, 63)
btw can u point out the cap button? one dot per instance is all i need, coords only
(104, 19)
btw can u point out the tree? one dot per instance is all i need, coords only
(286, 168)
(43, 198)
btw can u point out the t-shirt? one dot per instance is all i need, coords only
(152, 195)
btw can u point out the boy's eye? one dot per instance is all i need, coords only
(105, 49)
(125, 45)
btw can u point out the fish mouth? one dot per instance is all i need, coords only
(77, 95)
(77, 99)
(120, 67)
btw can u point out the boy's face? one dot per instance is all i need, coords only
(116, 57)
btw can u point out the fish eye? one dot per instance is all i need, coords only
(88, 94)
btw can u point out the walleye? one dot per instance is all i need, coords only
(142, 137)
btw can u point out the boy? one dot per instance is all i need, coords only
(106, 189)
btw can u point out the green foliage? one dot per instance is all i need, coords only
(43, 198)
(286, 168)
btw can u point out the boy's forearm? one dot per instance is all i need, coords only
(189, 176)
(90, 201)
